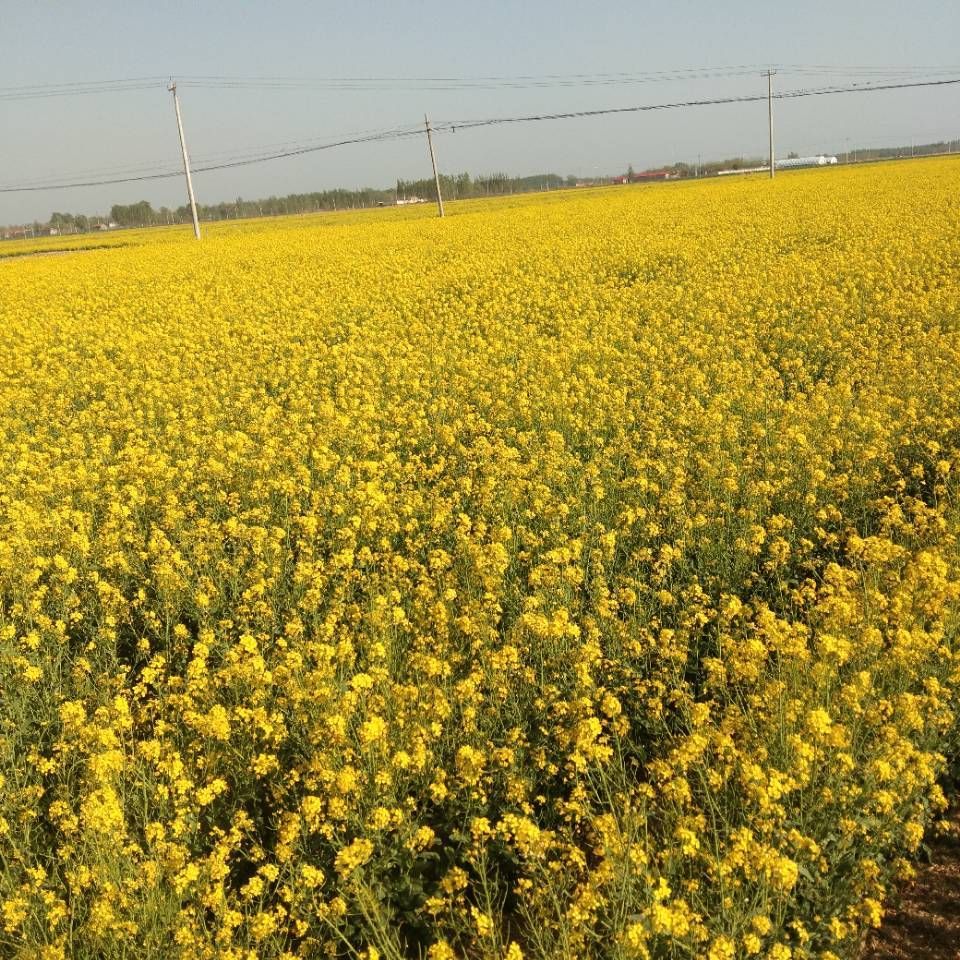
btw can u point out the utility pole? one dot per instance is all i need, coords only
(186, 162)
(433, 160)
(770, 74)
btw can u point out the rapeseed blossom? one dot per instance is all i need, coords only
(572, 578)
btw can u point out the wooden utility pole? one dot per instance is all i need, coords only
(433, 160)
(186, 162)
(770, 118)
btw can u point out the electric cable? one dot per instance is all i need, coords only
(452, 126)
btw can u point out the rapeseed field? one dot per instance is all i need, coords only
(575, 577)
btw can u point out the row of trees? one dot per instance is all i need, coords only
(131, 215)
(462, 187)
(858, 154)
(459, 186)
(72, 222)
(455, 187)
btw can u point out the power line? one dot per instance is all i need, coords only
(454, 125)
(241, 162)
(167, 169)
(295, 147)
(441, 83)
(168, 164)
(864, 70)
(365, 84)
(548, 81)
(79, 88)
(98, 172)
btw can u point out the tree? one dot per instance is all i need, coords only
(139, 214)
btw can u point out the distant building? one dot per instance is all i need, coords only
(819, 161)
(654, 175)
(646, 176)
(790, 163)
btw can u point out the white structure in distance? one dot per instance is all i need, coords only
(791, 163)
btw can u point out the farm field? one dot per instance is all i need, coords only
(575, 577)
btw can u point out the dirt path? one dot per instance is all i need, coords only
(925, 923)
(38, 253)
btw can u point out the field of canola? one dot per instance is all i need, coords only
(572, 578)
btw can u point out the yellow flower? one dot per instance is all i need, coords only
(441, 951)
(586, 561)
(722, 948)
(372, 730)
(353, 856)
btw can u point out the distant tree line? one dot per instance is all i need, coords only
(888, 153)
(459, 186)
(462, 186)
(70, 222)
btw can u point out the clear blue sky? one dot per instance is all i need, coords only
(52, 42)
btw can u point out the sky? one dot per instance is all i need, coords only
(91, 136)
